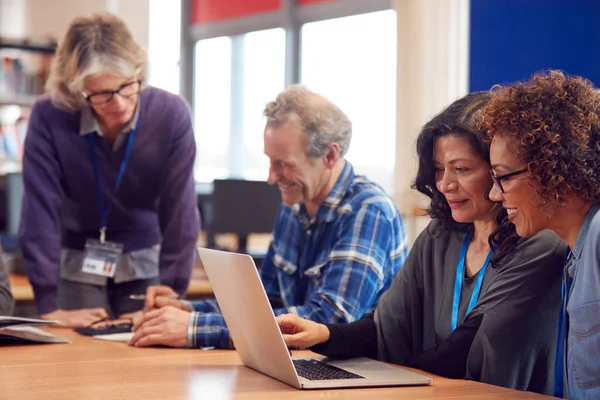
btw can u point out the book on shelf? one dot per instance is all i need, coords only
(15, 82)
(18, 330)
(22, 77)
(13, 128)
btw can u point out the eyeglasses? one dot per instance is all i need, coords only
(499, 178)
(125, 90)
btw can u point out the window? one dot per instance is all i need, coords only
(264, 79)
(164, 44)
(235, 78)
(352, 62)
(212, 112)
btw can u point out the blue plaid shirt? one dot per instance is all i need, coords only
(331, 268)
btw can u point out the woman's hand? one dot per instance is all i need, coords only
(302, 333)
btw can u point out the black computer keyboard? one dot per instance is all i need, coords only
(315, 370)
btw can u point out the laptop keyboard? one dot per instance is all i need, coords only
(315, 370)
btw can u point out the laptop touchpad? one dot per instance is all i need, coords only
(362, 364)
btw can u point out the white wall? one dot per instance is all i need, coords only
(433, 58)
(40, 19)
(13, 18)
(136, 14)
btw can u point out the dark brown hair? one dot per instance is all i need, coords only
(459, 118)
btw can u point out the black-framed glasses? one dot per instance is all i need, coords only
(126, 90)
(499, 178)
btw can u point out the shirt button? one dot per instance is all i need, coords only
(308, 231)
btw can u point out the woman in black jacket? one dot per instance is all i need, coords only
(472, 300)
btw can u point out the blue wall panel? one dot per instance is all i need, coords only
(512, 39)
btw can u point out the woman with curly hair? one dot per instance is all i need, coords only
(545, 156)
(456, 308)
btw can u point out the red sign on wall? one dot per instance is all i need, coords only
(218, 10)
(309, 2)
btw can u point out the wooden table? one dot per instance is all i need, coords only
(20, 287)
(92, 369)
(22, 291)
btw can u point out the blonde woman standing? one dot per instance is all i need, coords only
(109, 205)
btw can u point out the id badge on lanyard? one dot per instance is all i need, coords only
(101, 257)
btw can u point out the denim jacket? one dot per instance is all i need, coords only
(583, 309)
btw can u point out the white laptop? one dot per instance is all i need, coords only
(259, 342)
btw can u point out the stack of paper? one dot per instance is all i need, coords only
(116, 337)
(25, 330)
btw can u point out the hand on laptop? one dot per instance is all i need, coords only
(162, 296)
(167, 326)
(300, 332)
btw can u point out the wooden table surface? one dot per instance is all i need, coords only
(88, 368)
(20, 287)
(22, 291)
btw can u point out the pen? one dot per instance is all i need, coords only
(143, 297)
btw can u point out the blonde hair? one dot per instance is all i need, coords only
(100, 43)
(321, 121)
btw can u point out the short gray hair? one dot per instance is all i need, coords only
(100, 43)
(321, 120)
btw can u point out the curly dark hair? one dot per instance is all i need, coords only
(553, 119)
(460, 118)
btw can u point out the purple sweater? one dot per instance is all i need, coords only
(155, 203)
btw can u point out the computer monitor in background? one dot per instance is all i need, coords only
(241, 207)
(11, 193)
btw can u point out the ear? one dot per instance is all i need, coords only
(333, 155)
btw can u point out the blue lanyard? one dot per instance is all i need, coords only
(92, 147)
(460, 272)
(559, 366)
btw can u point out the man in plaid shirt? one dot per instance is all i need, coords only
(338, 239)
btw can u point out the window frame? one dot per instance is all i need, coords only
(291, 17)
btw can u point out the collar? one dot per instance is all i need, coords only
(328, 210)
(576, 252)
(89, 124)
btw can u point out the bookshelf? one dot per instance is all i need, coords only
(28, 45)
(20, 85)
(24, 100)
(24, 66)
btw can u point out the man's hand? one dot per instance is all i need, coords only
(76, 318)
(167, 326)
(163, 296)
(300, 332)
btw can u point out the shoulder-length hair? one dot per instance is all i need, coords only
(100, 43)
(460, 118)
